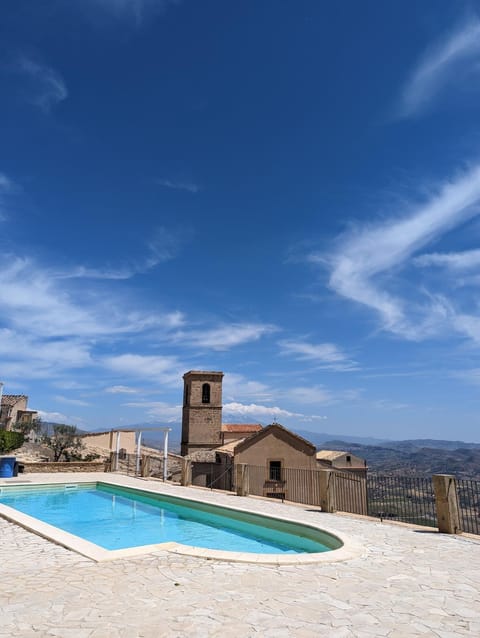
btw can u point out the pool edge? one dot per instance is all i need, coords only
(349, 549)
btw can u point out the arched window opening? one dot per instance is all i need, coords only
(206, 393)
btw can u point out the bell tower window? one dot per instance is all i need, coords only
(206, 393)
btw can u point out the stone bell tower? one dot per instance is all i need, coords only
(202, 411)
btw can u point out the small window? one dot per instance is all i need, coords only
(206, 393)
(349, 458)
(185, 399)
(275, 473)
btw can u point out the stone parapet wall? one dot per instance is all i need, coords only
(74, 466)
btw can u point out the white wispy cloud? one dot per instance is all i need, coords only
(470, 375)
(262, 412)
(257, 411)
(136, 11)
(163, 369)
(157, 410)
(190, 187)
(237, 386)
(224, 337)
(328, 355)
(465, 260)
(46, 87)
(448, 62)
(51, 328)
(320, 395)
(23, 355)
(368, 260)
(70, 401)
(35, 301)
(386, 404)
(6, 188)
(121, 389)
(163, 245)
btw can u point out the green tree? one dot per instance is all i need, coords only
(65, 441)
(25, 427)
(10, 441)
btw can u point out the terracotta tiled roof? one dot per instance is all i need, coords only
(9, 400)
(241, 428)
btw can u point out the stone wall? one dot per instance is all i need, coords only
(74, 466)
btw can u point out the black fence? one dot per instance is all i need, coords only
(468, 495)
(402, 498)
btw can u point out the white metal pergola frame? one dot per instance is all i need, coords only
(139, 432)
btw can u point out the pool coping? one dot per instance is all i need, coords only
(349, 549)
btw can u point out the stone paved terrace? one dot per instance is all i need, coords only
(408, 582)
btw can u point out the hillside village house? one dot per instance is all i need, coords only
(343, 461)
(13, 409)
(107, 441)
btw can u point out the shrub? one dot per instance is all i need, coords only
(10, 441)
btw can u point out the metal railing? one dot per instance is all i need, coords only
(291, 484)
(350, 492)
(143, 465)
(303, 486)
(468, 496)
(213, 475)
(401, 498)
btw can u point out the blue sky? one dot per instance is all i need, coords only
(285, 191)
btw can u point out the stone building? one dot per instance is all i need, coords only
(341, 460)
(13, 409)
(276, 448)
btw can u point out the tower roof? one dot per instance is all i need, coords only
(217, 373)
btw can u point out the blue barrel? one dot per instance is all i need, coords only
(7, 463)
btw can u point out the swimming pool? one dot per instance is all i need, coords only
(117, 518)
(285, 538)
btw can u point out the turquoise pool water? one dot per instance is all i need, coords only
(117, 518)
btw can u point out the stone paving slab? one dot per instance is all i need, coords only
(407, 583)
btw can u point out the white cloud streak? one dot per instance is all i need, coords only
(225, 337)
(164, 245)
(69, 401)
(157, 410)
(441, 66)
(262, 412)
(363, 261)
(6, 187)
(190, 187)
(164, 369)
(51, 329)
(327, 355)
(136, 11)
(46, 87)
(236, 386)
(466, 260)
(120, 389)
